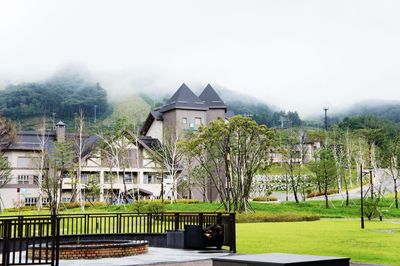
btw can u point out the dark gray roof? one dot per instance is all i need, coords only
(157, 114)
(89, 144)
(211, 98)
(30, 141)
(184, 98)
(150, 142)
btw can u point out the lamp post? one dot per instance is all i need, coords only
(362, 174)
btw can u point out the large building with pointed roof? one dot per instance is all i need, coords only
(184, 111)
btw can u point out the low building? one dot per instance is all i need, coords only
(142, 176)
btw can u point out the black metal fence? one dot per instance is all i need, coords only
(29, 240)
(18, 233)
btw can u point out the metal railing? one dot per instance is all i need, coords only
(116, 223)
(29, 241)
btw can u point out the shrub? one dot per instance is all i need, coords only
(72, 205)
(183, 201)
(263, 217)
(317, 193)
(266, 198)
(187, 201)
(145, 206)
(371, 208)
(155, 207)
(25, 208)
(139, 206)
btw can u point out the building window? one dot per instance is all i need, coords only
(23, 179)
(197, 121)
(109, 178)
(128, 178)
(184, 120)
(24, 162)
(66, 199)
(30, 201)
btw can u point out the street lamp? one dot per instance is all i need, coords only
(362, 174)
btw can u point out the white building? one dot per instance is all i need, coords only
(142, 176)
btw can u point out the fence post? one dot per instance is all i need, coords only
(232, 233)
(6, 242)
(149, 222)
(176, 221)
(55, 224)
(86, 224)
(201, 219)
(219, 218)
(119, 222)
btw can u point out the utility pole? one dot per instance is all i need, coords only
(326, 118)
(95, 107)
(281, 119)
(362, 197)
(54, 121)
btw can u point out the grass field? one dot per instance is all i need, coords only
(336, 210)
(379, 243)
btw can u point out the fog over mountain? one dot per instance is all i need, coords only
(296, 55)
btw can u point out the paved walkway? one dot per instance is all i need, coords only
(162, 256)
(155, 256)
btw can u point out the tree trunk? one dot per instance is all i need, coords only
(395, 194)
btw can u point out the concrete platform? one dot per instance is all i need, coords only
(278, 259)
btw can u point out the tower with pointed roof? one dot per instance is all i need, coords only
(184, 111)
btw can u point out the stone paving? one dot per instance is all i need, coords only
(162, 256)
(155, 256)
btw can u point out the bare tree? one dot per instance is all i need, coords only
(56, 167)
(7, 137)
(80, 145)
(170, 156)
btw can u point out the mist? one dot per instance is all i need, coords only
(294, 55)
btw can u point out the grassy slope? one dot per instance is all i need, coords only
(378, 243)
(134, 108)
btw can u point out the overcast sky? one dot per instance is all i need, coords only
(300, 55)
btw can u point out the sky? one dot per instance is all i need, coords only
(294, 54)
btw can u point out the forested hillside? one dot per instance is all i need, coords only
(64, 96)
(389, 110)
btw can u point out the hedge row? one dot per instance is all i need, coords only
(317, 193)
(262, 217)
(266, 198)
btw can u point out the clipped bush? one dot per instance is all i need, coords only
(266, 198)
(72, 205)
(25, 208)
(182, 201)
(317, 193)
(263, 217)
(148, 206)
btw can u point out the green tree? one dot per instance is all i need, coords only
(391, 160)
(59, 163)
(324, 168)
(231, 153)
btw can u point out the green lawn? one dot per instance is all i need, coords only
(336, 210)
(378, 243)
